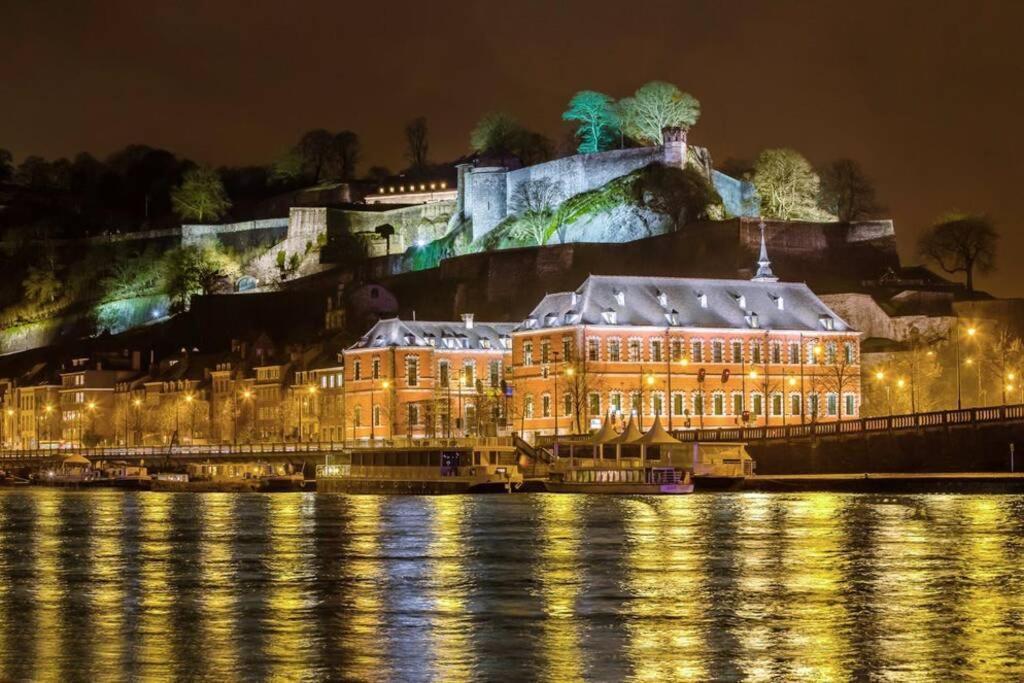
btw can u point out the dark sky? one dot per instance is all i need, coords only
(926, 95)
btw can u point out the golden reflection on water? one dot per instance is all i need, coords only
(47, 590)
(217, 600)
(288, 620)
(561, 525)
(451, 627)
(107, 580)
(361, 635)
(156, 659)
(664, 575)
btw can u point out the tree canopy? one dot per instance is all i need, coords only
(6, 165)
(200, 196)
(846, 192)
(787, 185)
(961, 243)
(598, 118)
(499, 134)
(416, 143)
(682, 194)
(655, 106)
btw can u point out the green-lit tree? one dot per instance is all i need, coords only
(787, 185)
(961, 243)
(200, 196)
(654, 107)
(846, 192)
(41, 285)
(598, 118)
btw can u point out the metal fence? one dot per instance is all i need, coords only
(888, 423)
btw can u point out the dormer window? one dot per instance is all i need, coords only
(551, 319)
(672, 317)
(827, 322)
(431, 340)
(663, 299)
(574, 298)
(572, 317)
(506, 341)
(752, 319)
(609, 316)
(741, 300)
(620, 297)
(780, 303)
(409, 340)
(485, 343)
(530, 323)
(702, 299)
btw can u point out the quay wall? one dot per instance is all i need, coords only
(978, 448)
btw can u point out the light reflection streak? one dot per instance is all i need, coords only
(155, 658)
(48, 624)
(664, 580)
(362, 632)
(561, 526)
(288, 605)
(451, 627)
(217, 602)
(107, 582)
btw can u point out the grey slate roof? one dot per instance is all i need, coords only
(451, 335)
(676, 302)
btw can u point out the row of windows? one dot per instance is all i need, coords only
(715, 403)
(714, 351)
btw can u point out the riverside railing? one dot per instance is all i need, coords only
(887, 423)
(255, 449)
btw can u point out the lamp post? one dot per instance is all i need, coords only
(136, 403)
(246, 396)
(311, 390)
(570, 372)
(971, 332)
(373, 433)
(880, 377)
(386, 386)
(649, 378)
(190, 400)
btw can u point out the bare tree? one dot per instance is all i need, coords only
(840, 371)
(534, 202)
(416, 142)
(961, 244)
(846, 192)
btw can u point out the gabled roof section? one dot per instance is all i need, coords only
(679, 302)
(395, 332)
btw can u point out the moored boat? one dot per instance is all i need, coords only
(425, 466)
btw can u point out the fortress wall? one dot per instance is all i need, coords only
(425, 222)
(198, 232)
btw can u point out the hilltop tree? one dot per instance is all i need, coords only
(499, 134)
(200, 196)
(6, 165)
(41, 285)
(192, 270)
(533, 202)
(846, 192)
(684, 195)
(599, 120)
(787, 185)
(344, 155)
(416, 143)
(314, 151)
(961, 244)
(654, 107)
(385, 231)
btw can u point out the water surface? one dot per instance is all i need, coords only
(760, 587)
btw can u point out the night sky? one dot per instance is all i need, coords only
(928, 96)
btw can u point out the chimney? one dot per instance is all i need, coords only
(467, 318)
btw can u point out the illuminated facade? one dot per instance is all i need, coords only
(416, 378)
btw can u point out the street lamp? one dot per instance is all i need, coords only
(311, 390)
(189, 398)
(971, 332)
(136, 403)
(47, 409)
(880, 377)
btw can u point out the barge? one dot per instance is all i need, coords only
(425, 466)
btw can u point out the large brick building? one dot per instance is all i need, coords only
(416, 378)
(697, 352)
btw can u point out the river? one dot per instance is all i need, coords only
(761, 587)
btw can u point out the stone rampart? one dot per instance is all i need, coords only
(196, 233)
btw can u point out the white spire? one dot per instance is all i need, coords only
(764, 266)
